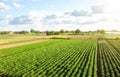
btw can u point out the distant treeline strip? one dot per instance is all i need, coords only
(72, 32)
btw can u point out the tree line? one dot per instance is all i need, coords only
(62, 31)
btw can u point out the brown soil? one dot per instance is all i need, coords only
(27, 37)
(98, 62)
(22, 43)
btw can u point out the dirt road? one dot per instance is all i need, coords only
(22, 43)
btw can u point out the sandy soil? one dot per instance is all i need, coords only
(22, 43)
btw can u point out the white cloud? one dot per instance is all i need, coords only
(8, 16)
(21, 20)
(5, 17)
(30, 18)
(16, 5)
(34, 17)
(103, 15)
(5, 0)
(110, 6)
(98, 9)
(4, 7)
(19, 0)
(56, 21)
(36, 0)
(79, 13)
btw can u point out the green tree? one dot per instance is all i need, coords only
(32, 31)
(62, 31)
(77, 31)
(101, 31)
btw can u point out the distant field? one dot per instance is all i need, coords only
(14, 39)
(11, 39)
(62, 58)
(112, 36)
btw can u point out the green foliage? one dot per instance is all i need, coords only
(53, 58)
(101, 31)
(21, 32)
(52, 33)
(77, 31)
(4, 32)
(32, 31)
(62, 58)
(109, 61)
(62, 31)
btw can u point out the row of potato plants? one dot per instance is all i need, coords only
(55, 58)
(109, 59)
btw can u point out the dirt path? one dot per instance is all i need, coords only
(98, 62)
(22, 43)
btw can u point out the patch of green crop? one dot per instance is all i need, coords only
(62, 58)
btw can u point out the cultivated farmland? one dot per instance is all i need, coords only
(109, 58)
(62, 58)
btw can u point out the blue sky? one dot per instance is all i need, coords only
(59, 14)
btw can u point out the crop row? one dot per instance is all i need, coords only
(63, 58)
(109, 59)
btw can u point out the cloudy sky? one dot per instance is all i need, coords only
(59, 14)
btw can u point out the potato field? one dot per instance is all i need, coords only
(62, 58)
